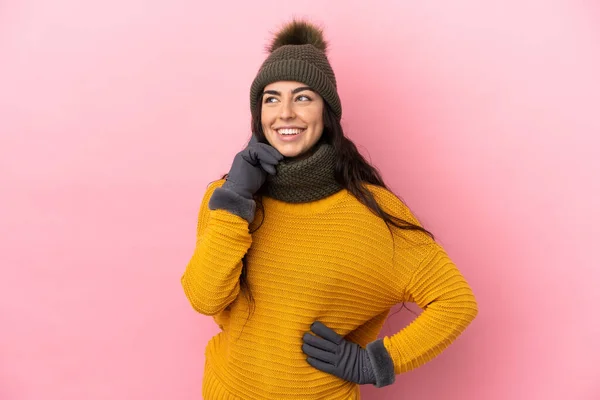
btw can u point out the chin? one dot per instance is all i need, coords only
(289, 153)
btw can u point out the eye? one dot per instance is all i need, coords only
(306, 97)
(268, 99)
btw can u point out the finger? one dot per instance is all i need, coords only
(319, 354)
(271, 150)
(251, 154)
(319, 343)
(264, 154)
(320, 365)
(270, 169)
(322, 330)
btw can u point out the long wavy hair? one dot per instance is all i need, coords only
(352, 171)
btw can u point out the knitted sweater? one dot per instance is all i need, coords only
(330, 260)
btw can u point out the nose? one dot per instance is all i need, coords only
(287, 110)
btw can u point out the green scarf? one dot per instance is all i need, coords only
(305, 180)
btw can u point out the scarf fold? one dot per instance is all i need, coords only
(306, 180)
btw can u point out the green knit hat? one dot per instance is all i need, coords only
(298, 53)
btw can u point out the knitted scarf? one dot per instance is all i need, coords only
(305, 180)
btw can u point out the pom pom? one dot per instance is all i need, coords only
(299, 32)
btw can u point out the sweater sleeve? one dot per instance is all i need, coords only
(448, 305)
(211, 278)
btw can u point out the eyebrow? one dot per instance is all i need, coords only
(298, 89)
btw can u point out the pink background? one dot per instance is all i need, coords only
(115, 115)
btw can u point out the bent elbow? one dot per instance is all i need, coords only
(203, 304)
(206, 309)
(470, 308)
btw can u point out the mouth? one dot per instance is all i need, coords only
(289, 131)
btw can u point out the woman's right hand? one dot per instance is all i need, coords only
(250, 168)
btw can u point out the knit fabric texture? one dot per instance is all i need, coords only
(330, 260)
(302, 63)
(304, 180)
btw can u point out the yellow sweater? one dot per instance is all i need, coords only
(330, 260)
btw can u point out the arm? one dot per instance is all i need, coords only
(211, 278)
(433, 282)
(448, 304)
(437, 287)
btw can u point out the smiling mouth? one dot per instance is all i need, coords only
(289, 131)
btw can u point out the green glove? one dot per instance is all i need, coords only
(335, 355)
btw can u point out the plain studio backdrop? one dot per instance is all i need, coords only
(115, 115)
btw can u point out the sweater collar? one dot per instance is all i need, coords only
(309, 179)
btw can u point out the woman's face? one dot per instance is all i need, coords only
(291, 117)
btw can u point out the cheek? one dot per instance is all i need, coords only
(264, 122)
(266, 118)
(317, 121)
(312, 117)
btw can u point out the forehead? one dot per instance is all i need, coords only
(283, 86)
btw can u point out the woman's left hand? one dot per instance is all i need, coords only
(335, 355)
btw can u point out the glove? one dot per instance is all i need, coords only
(335, 355)
(250, 167)
(247, 174)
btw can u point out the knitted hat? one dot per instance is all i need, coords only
(298, 53)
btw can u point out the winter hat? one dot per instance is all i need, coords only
(298, 53)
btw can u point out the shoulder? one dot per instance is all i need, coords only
(412, 240)
(392, 204)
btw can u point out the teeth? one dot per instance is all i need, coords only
(289, 131)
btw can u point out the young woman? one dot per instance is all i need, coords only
(302, 251)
